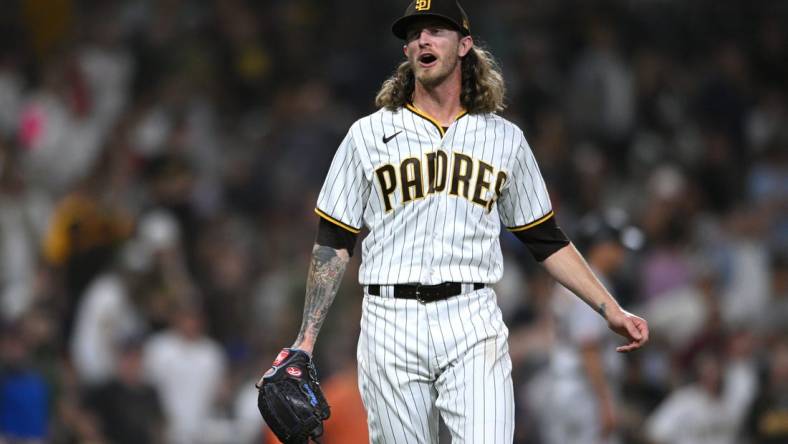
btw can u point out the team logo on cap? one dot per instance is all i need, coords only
(423, 5)
(294, 371)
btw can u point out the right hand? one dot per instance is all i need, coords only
(632, 327)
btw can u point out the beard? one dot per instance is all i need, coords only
(435, 75)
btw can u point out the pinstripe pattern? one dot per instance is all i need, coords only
(440, 237)
(451, 356)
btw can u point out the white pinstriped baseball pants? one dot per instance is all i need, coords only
(451, 357)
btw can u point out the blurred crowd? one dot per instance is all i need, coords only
(160, 162)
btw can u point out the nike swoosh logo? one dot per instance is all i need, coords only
(388, 139)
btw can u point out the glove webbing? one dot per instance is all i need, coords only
(290, 420)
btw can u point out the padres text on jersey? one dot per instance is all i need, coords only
(433, 198)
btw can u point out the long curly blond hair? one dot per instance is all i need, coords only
(483, 88)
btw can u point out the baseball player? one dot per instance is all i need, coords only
(579, 385)
(433, 174)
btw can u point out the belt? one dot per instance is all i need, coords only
(425, 293)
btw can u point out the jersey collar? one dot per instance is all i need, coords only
(431, 119)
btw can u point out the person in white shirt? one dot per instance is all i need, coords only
(105, 318)
(109, 312)
(709, 411)
(187, 369)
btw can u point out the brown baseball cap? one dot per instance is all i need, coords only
(447, 10)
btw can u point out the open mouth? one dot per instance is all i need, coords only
(427, 59)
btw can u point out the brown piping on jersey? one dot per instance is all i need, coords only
(532, 224)
(336, 222)
(432, 120)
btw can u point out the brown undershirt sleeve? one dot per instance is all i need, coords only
(544, 239)
(334, 236)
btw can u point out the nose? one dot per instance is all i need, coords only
(423, 38)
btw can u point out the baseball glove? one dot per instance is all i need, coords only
(290, 398)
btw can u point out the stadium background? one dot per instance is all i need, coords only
(160, 160)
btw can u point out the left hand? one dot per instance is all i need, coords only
(631, 327)
(290, 399)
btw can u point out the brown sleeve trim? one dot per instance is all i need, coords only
(532, 224)
(336, 222)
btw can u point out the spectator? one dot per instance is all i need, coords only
(768, 423)
(602, 100)
(187, 368)
(709, 411)
(776, 311)
(206, 125)
(83, 232)
(107, 316)
(24, 395)
(128, 409)
(585, 371)
(22, 220)
(115, 305)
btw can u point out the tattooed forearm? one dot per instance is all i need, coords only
(325, 273)
(602, 310)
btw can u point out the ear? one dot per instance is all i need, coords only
(405, 49)
(466, 43)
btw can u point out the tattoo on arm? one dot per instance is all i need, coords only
(602, 310)
(325, 274)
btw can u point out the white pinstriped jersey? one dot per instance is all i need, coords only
(433, 199)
